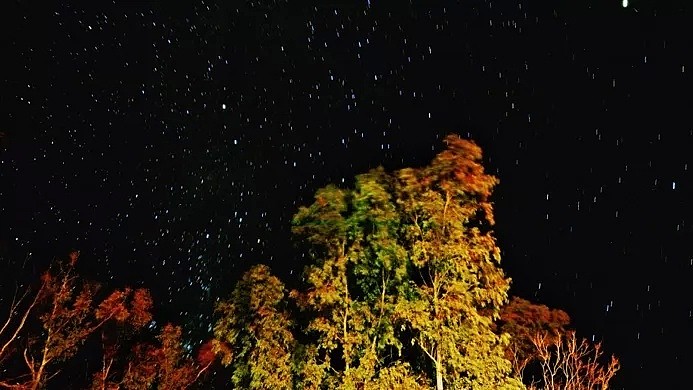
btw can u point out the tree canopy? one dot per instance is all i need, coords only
(404, 281)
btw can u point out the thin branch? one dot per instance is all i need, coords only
(52, 375)
(7, 385)
(29, 362)
(201, 371)
(426, 351)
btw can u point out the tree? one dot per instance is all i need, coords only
(257, 329)
(359, 275)
(523, 321)
(133, 312)
(19, 313)
(460, 288)
(47, 328)
(407, 258)
(542, 340)
(66, 312)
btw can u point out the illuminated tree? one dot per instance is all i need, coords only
(257, 329)
(67, 315)
(541, 340)
(354, 286)
(447, 219)
(45, 329)
(523, 320)
(22, 307)
(162, 365)
(133, 312)
(407, 259)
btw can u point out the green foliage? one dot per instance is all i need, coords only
(359, 276)
(256, 327)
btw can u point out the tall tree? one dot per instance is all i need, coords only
(357, 280)
(447, 219)
(257, 328)
(407, 258)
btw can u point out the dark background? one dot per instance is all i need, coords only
(171, 144)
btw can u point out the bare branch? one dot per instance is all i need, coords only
(569, 364)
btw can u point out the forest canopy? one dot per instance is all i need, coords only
(403, 289)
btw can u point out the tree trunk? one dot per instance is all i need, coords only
(439, 371)
(36, 381)
(37, 378)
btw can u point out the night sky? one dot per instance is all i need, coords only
(171, 144)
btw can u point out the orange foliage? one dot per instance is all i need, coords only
(137, 313)
(65, 314)
(164, 364)
(523, 319)
(141, 306)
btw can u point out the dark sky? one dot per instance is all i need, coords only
(171, 144)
